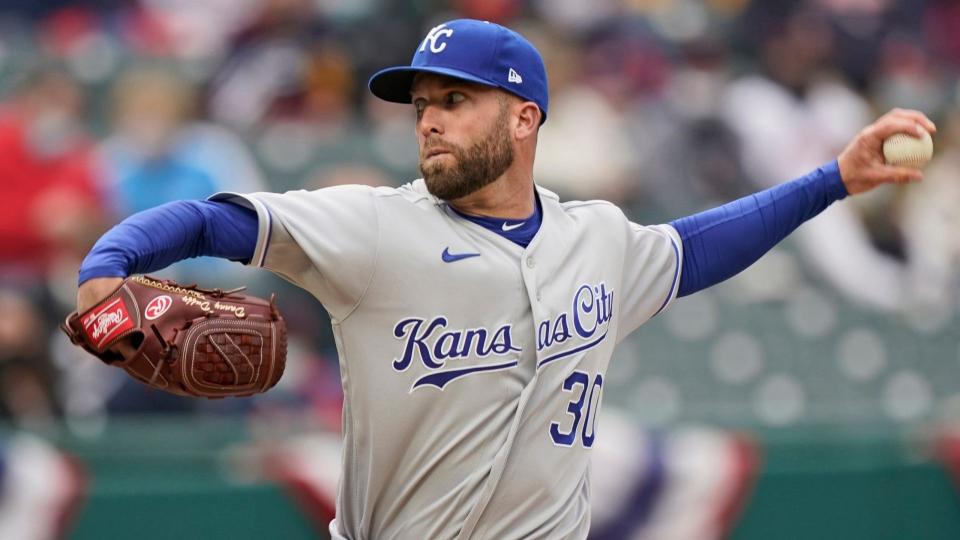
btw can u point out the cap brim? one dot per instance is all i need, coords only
(393, 84)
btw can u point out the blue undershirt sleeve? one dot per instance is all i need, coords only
(158, 237)
(721, 242)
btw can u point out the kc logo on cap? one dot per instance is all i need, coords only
(437, 32)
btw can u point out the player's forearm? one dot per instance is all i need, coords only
(721, 242)
(158, 237)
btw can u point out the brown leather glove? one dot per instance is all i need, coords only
(188, 341)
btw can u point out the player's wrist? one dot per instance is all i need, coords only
(833, 180)
(94, 290)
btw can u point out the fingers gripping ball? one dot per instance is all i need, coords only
(907, 150)
(188, 341)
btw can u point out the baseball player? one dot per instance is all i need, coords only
(474, 313)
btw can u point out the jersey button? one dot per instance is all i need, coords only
(539, 295)
(530, 263)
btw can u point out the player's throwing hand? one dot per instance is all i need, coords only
(862, 165)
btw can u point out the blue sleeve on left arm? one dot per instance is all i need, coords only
(160, 236)
(721, 242)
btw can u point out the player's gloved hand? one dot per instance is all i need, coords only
(862, 166)
(180, 338)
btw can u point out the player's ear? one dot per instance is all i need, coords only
(528, 119)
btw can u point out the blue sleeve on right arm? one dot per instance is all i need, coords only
(158, 237)
(721, 242)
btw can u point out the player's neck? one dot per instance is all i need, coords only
(507, 197)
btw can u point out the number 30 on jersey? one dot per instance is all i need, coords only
(586, 394)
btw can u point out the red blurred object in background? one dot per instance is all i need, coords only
(52, 199)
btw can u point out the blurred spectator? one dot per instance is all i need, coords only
(158, 152)
(278, 68)
(905, 76)
(689, 158)
(498, 11)
(43, 488)
(574, 16)
(585, 113)
(794, 115)
(198, 30)
(52, 207)
(931, 220)
(940, 22)
(581, 118)
(27, 379)
(39, 9)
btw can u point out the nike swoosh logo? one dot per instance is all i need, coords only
(508, 228)
(453, 257)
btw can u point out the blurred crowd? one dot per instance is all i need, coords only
(665, 107)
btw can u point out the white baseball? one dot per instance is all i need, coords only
(907, 150)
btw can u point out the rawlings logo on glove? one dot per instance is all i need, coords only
(107, 321)
(188, 341)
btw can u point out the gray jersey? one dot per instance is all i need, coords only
(472, 368)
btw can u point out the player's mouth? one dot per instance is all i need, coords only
(434, 152)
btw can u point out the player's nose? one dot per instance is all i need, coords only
(430, 122)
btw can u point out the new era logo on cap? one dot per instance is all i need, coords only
(476, 51)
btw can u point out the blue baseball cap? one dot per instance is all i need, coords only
(476, 51)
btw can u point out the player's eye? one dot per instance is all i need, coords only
(455, 97)
(419, 105)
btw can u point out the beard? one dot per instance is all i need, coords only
(475, 166)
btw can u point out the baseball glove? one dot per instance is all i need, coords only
(189, 341)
